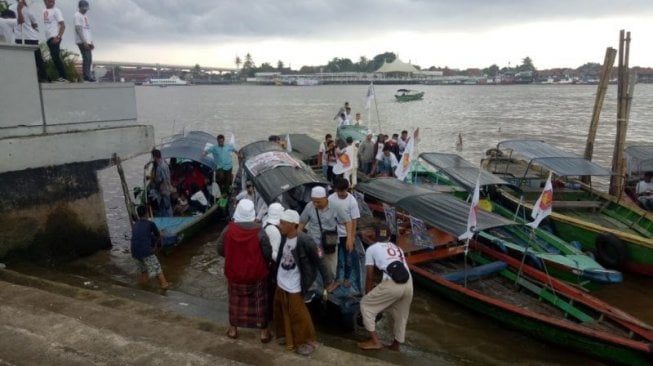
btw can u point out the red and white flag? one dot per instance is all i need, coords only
(543, 206)
(472, 219)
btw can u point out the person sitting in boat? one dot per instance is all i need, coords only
(251, 194)
(182, 204)
(644, 191)
(198, 201)
(386, 164)
(343, 121)
(358, 121)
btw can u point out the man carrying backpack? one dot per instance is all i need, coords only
(394, 293)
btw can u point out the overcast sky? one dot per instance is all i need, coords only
(457, 34)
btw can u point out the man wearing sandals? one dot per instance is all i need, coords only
(298, 262)
(388, 294)
(247, 252)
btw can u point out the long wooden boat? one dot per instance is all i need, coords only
(407, 95)
(619, 233)
(187, 152)
(280, 176)
(498, 286)
(444, 171)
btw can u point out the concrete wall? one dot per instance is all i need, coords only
(53, 139)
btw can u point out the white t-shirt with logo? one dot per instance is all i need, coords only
(288, 276)
(381, 255)
(26, 31)
(81, 20)
(51, 19)
(349, 206)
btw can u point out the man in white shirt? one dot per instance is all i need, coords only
(388, 294)
(385, 164)
(345, 201)
(644, 191)
(54, 29)
(84, 39)
(7, 24)
(26, 32)
(322, 157)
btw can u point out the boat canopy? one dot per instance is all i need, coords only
(639, 158)
(190, 146)
(439, 210)
(274, 171)
(303, 145)
(560, 162)
(462, 171)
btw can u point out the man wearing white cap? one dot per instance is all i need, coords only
(321, 220)
(298, 262)
(247, 252)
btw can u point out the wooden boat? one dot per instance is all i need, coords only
(407, 95)
(620, 234)
(187, 151)
(496, 285)
(356, 132)
(283, 177)
(561, 259)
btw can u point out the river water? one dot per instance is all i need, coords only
(439, 332)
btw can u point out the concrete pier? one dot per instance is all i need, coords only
(53, 139)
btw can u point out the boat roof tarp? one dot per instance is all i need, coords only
(439, 210)
(397, 66)
(274, 171)
(462, 171)
(189, 146)
(303, 145)
(639, 158)
(561, 162)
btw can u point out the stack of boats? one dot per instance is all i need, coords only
(534, 280)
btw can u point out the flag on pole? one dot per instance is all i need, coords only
(288, 145)
(232, 140)
(472, 219)
(543, 205)
(370, 96)
(403, 168)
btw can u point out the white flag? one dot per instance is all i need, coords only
(403, 168)
(345, 161)
(543, 205)
(288, 145)
(370, 96)
(472, 219)
(232, 140)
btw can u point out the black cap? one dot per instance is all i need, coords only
(82, 4)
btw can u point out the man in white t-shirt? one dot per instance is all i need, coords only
(322, 157)
(385, 164)
(54, 29)
(644, 191)
(26, 32)
(343, 200)
(84, 39)
(7, 24)
(388, 294)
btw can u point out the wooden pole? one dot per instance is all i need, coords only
(617, 181)
(606, 72)
(125, 190)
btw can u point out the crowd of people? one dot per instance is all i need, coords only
(19, 25)
(275, 257)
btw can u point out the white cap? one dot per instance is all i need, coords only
(274, 213)
(318, 192)
(245, 211)
(290, 216)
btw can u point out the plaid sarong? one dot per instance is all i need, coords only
(248, 305)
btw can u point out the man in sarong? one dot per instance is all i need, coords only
(247, 251)
(298, 262)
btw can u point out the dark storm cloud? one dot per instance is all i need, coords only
(198, 20)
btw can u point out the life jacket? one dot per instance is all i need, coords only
(244, 262)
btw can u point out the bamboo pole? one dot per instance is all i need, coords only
(125, 189)
(606, 72)
(617, 181)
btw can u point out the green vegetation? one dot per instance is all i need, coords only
(69, 58)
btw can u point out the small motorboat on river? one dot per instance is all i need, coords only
(407, 95)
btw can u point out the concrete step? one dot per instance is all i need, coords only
(48, 322)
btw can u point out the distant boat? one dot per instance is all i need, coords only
(307, 82)
(174, 80)
(406, 95)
